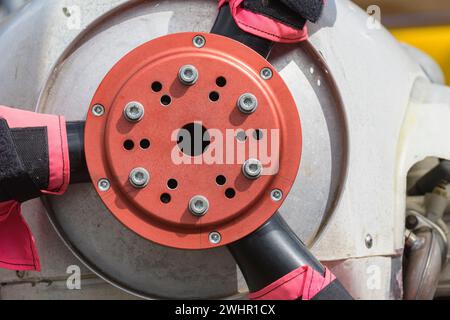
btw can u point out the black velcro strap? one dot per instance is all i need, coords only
(32, 147)
(334, 291)
(308, 9)
(293, 13)
(23, 160)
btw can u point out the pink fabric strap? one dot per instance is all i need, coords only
(17, 246)
(262, 26)
(59, 169)
(303, 283)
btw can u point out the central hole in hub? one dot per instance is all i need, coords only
(193, 139)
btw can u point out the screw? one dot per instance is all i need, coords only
(134, 111)
(276, 195)
(252, 169)
(104, 185)
(20, 274)
(188, 75)
(369, 241)
(215, 237)
(98, 110)
(139, 178)
(199, 41)
(198, 206)
(266, 73)
(247, 103)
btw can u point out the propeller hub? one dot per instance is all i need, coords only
(169, 112)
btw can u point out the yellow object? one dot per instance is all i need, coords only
(435, 41)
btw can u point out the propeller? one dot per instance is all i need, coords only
(272, 254)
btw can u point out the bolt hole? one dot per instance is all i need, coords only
(258, 134)
(166, 100)
(165, 198)
(221, 82)
(128, 145)
(214, 96)
(172, 184)
(221, 180)
(157, 86)
(230, 193)
(145, 143)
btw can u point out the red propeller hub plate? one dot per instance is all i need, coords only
(162, 147)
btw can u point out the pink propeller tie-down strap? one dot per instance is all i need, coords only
(275, 27)
(303, 283)
(17, 246)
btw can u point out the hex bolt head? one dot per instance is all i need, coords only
(139, 178)
(215, 237)
(198, 206)
(188, 75)
(247, 103)
(134, 111)
(266, 73)
(98, 110)
(199, 41)
(104, 185)
(252, 169)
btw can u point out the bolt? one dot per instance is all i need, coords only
(134, 111)
(241, 136)
(411, 222)
(188, 75)
(98, 110)
(20, 274)
(199, 41)
(104, 185)
(266, 73)
(252, 169)
(369, 241)
(247, 103)
(139, 178)
(215, 237)
(198, 206)
(276, 195)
